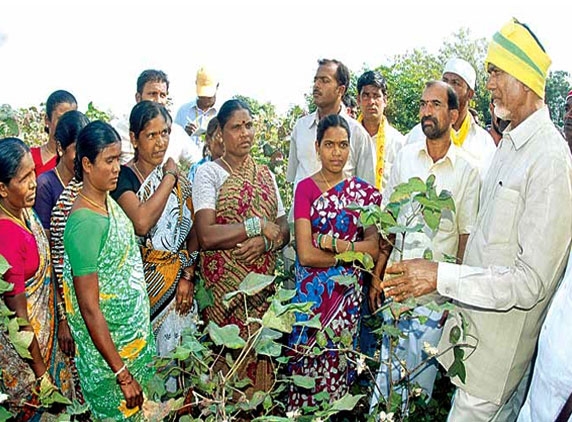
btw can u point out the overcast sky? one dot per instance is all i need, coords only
(263, 49)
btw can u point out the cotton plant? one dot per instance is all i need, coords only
(414, 207)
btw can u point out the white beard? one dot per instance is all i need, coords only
(502, 112)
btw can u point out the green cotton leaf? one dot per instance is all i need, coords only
(435, 307)
(427, 203)
(346, 338)
(321, 339)
(422, 319)
(204, 296)
(243, 383)
(271, 419)
(227, 336)
(77, 408)
(267, 404)
(5, 286)
(455, 335)
(363, 258)
(459, 353)
(156, 387)
(268, 347)
(430, 182)
(254, 283)
(415, 229)
(4, 266)
(322, 396)
(345, 280)
(452, 259)
(313, 322)
(389, 330)
(428, 254)
(278, 319)
(431, 218)
(284, 295)
(181, 353)
(416, 185)
(346, 403)
(283, 360)
(49, 394)
(397, 229)
(21, 340)
(304, 381)
(5, 414)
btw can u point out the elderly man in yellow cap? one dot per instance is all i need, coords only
(194, 116)
(466, 132)
(518, 249)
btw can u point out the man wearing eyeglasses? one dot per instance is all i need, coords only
(466, 133)
(454, 171)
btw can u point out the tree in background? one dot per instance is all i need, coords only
(557, 86)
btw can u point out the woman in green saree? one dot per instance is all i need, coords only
(104, 287)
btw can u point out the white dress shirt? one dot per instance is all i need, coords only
(515, 257)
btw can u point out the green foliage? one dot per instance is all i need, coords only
(93, 113)
(557, 86)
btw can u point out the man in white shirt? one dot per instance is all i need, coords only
(387, 141)
(195, 115)
(466, 133)
(517, 251)
(454, 171)
(152, 85)
(330, 83)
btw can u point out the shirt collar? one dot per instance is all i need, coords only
(521, 134)
(316, 119)
(451, 154)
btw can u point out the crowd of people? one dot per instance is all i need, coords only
(106, 239)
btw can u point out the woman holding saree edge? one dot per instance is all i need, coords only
(156, 200)
(104, 286)
(24, 245)
(325, 227)
(240, 222)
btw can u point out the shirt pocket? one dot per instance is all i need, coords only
(500, 224)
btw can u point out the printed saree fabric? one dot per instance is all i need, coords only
(164, 257)
(338, 305)
(247, 193)
(17, 379)
(125, 306)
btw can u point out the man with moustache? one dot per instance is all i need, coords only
(454, 171)
(466, 132)
(517, 251)
(330, 83)
(153, 85)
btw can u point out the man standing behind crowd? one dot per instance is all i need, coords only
(330, 83)
(152, 85)
(517, 252)
(194, 116)
(372, 100)
(466, 132)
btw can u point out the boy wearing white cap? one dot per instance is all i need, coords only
(194, 116)
(466, 133)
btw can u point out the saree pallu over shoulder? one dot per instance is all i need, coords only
(125, 306)
(17, 376)
(164, 255)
